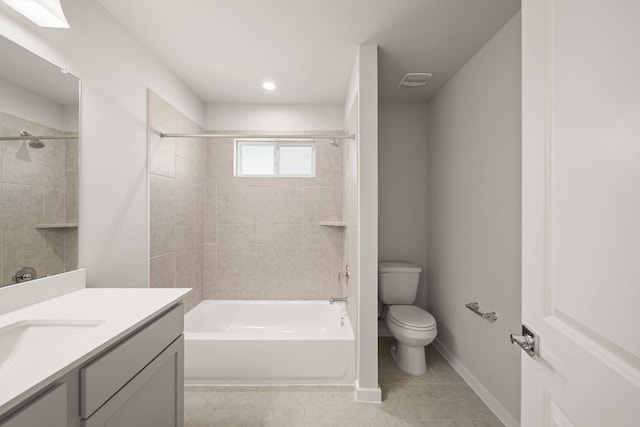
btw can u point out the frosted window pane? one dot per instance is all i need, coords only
(295, 160)
(257, 159)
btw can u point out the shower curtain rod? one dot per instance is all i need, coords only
(290, 136)
(30, 137)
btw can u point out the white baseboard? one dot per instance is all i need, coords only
(484, 394)
(368, 395)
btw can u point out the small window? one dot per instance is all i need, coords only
(256, 159)
(286, 158)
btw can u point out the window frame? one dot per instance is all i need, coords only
(276, 143)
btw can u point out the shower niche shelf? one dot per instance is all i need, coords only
(61, 225)
(333, 223)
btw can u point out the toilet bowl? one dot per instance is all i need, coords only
(412, 327)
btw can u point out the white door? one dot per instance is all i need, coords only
(581, 212)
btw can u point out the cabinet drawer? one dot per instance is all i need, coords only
(153, 398)
(105, 376)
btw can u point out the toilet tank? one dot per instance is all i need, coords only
(398, 282)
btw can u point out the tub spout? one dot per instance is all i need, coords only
(332, 300)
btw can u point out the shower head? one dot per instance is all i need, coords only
(334, 142)
(34, 143)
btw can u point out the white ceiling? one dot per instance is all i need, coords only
(26, 69)
(225, 49)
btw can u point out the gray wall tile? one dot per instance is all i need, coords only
(255, 238)
(163, 217)
(163, 271)
(177, 204)
(37, 186)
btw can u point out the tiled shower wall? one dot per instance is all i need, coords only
(262, 235)
(39, 186)
(234, 237)
(176, 187)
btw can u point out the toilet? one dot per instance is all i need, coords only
(412, 327)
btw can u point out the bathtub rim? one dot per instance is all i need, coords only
(345, 333)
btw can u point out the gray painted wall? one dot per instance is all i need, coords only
(474, 214)
(402, 209)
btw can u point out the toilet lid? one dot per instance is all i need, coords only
(411, 317)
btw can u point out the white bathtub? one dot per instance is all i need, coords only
(268, 342)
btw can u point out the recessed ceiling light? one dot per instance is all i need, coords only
(269, 86)
(415, 80)
(46, 13)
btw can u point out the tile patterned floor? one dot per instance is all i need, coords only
(439, 398)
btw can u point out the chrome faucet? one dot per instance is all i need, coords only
(25, 274)
(344, 300)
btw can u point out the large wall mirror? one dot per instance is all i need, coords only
(39, 116)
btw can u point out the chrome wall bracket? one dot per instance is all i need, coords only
(475, 307)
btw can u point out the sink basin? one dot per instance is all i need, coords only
(31, 340)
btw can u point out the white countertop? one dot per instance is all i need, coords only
(121, 310)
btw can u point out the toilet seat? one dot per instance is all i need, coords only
(411, 317)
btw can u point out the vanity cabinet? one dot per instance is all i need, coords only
(49, 409)
(136, 382)
(139, 382)
(153, 398)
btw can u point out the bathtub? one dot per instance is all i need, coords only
(268, 342)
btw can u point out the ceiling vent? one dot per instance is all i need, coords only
(415, 80)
